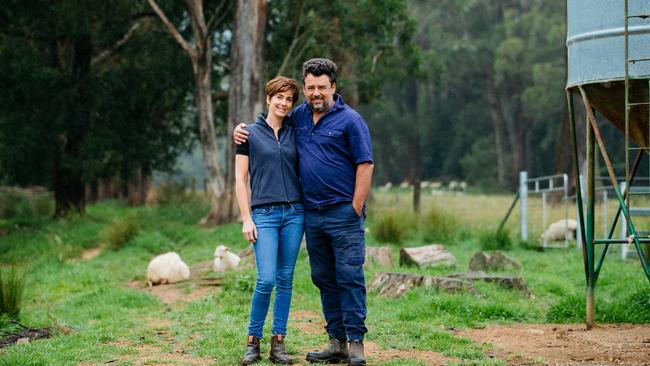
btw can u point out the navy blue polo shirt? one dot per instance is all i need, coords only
(272, 164)
(329, 152)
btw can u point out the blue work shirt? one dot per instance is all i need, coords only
(329, 152)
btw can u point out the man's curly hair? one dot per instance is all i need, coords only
(318, 67)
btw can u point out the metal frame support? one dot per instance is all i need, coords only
(589, 232)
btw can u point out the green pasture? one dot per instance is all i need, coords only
(97, 318)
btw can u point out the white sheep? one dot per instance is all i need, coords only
(167, 268)
(560, 230)
(224, 259)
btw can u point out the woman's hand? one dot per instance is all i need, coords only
(249, 231)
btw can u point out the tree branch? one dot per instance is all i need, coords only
(218, 16)
(294, 42)
(177, 36)
(106, 53)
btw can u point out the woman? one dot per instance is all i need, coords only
(275, 221)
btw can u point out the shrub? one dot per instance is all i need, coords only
(495, 240)
(436, 225)
(176, 192)
(22, 204)
(15, 204)
(393, 226)
(12, 284)
(43, 205)
(121, 231)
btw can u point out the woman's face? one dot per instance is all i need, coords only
(280, 103)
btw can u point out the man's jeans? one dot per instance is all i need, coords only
(335, 243)
(279, 233)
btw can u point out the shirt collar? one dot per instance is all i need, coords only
(261, 120)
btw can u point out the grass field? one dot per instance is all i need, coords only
(98, 318)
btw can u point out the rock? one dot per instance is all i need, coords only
(426, 256)
(23, 340)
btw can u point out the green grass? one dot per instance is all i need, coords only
(111, 321)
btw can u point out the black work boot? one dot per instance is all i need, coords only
(278, 353)
(356, 353)
(336, 351)
(252, 353)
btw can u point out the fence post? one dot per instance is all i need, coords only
(523, 204)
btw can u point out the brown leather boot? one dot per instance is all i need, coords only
(252, 353)
(336, 351)
(278, 353)
(356, 354)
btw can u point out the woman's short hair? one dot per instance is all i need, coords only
(281, 84)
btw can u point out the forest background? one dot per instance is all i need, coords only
(97, 96)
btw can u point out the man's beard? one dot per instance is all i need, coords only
(322, 108)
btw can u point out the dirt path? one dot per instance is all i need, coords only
(520, 344)
(310, 322)
(548, 344)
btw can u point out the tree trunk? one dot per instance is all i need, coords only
(246, 74)
(68, 185)
(508, 282)
(391, 284)
(69, 190)
(382, 256)
(517, 129)
(416, 146)
(201, 55)
(214, 172)
(350, 91)
(497, 123)
(426, 256)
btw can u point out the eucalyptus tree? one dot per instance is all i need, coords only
(66, 92)
(199, 48)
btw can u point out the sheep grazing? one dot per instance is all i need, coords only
(224, 259)
(560, 230)
(167, 268)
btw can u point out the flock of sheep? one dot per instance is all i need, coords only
(170, 268)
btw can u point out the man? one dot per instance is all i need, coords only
(335, 158)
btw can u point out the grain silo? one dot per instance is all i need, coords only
(608, 64)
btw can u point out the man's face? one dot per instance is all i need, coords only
(319, 92)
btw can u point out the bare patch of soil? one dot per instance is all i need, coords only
(310, 322)
(91, 253)
(567, 344)
(148, 354)
(374, 352)
(174, 293)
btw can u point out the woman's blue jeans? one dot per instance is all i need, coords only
(279, 232)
